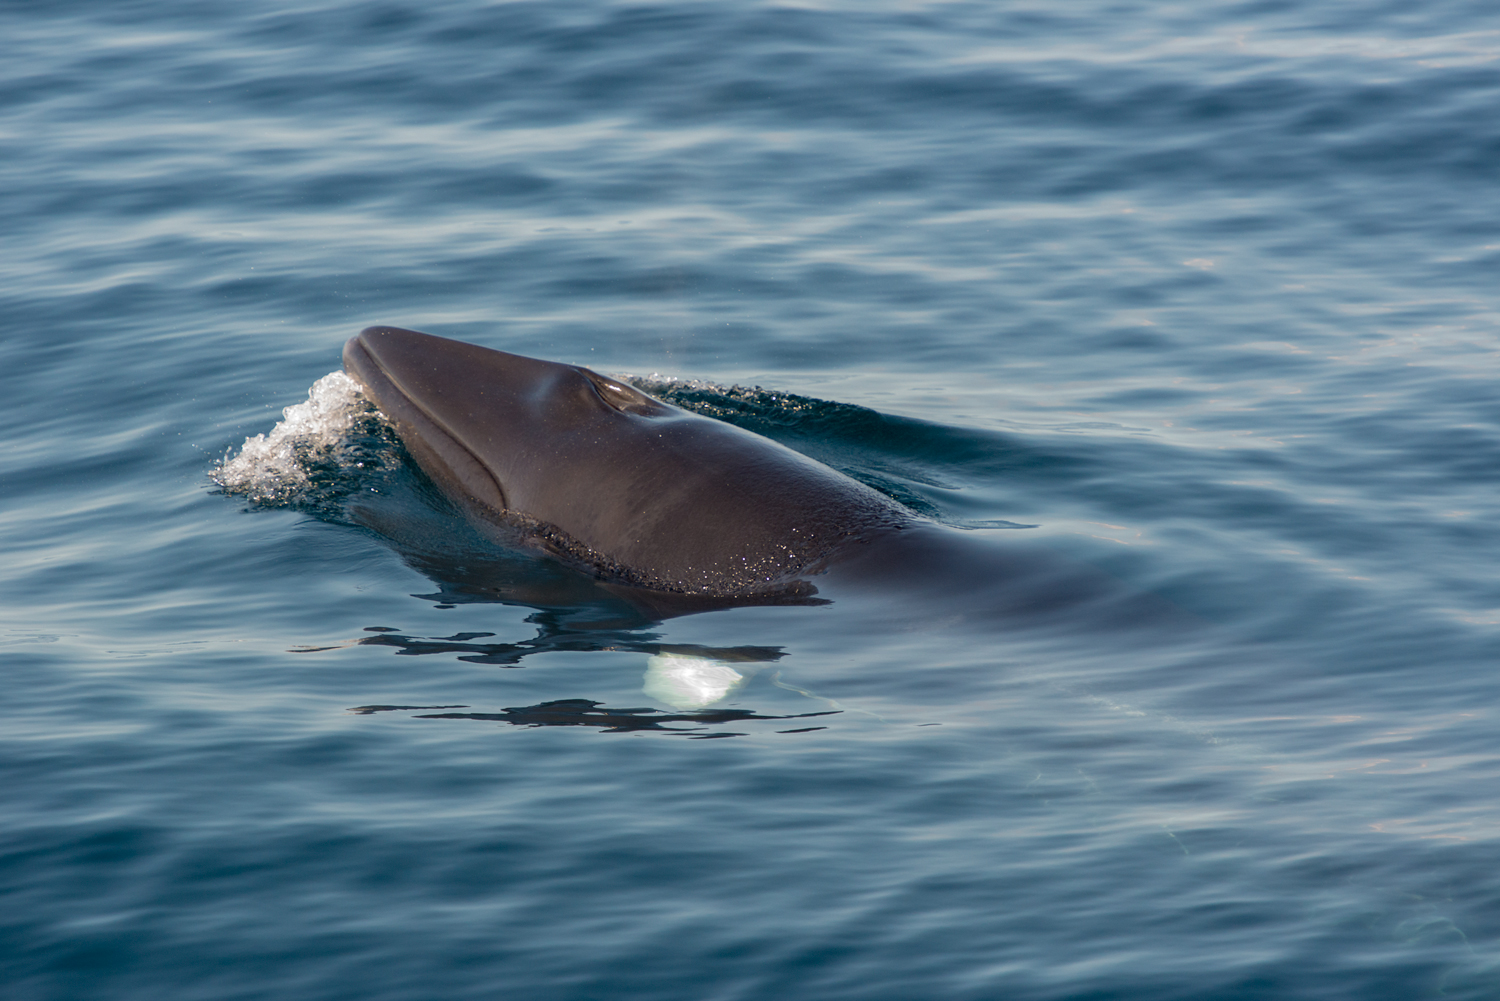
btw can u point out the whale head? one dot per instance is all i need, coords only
(607, 476)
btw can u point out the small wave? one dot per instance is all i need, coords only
(912, 461)
(317, 452)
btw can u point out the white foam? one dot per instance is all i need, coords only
(274, 467)
(658, 383)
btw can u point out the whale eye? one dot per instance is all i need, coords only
(626, 399)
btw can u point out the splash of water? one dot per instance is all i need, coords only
(310, 457)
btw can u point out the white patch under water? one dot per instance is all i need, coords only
(686, 682)
(280, 466)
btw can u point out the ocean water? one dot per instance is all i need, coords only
(1203, 297)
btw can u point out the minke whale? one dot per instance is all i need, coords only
(607, 478)
(677, 512)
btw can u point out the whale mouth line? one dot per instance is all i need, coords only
(398, 406)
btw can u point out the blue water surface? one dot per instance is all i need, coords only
(1201, 296)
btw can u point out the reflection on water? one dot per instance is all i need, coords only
(683, 676)
(550, 638)
(586, 712)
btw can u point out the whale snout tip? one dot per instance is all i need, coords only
(382, 346)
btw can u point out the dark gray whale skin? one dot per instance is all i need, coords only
(639, 491)
(678, 513)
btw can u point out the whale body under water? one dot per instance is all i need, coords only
(678, 512)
